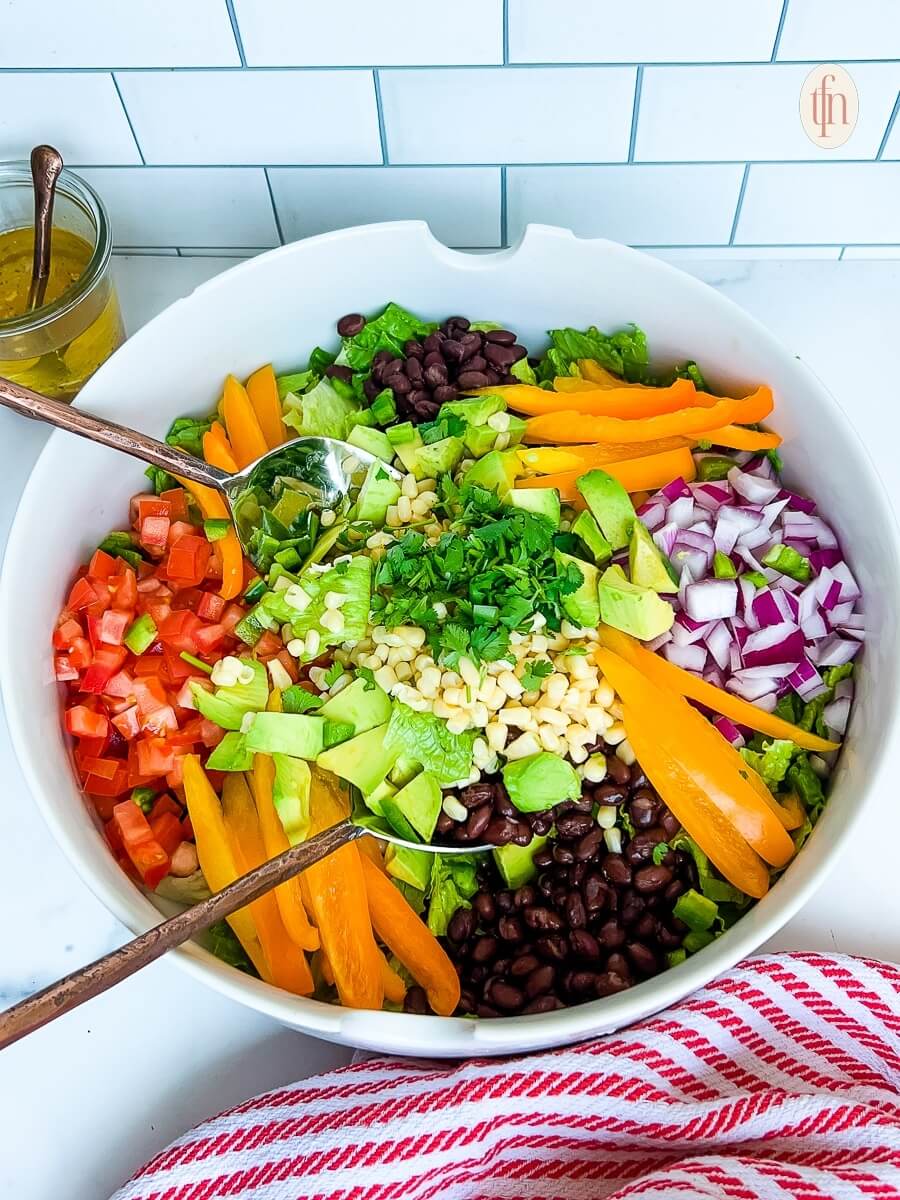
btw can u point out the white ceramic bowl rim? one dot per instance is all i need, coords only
(399, 1032)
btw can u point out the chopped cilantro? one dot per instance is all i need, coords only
(535, 672)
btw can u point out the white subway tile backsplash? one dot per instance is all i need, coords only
(828, 31)
(187, 206)
(870, 252)
(495, 115)
(106, 33)
(686, 254)
(80, 114)
(269, 117)
(642, 31)
(751, 112)
(642, 205)
(892, 145)
(819, 202)
(461, 204)
(285, 33)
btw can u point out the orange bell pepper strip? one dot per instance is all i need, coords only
(244, 432)
(217, 448)
(263, 392)
(410, 939)
(336, 890)
(287, 963)
(549, 460)
(625, 403)
(635, 475)
(394, 987)
(717, 768)
(213, 507)
(288, 896)
(573, 426)
(738, 438)
(593, 373)
(667, 675)
(216, 858)
(702, 820)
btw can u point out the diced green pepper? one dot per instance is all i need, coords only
(674, 957)
(723, 567)
(696, 939)
(383, 408)
(714, 468)
(756, 578)
(398, 434)
(143, 797)
(255, 591)
(141, 634)
(216, 529)
(288, 558)
(696, 910)
(789, 562)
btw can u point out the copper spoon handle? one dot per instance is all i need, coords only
(61, 997)
(107, 433)
(46, 164)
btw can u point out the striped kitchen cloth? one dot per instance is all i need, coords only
(779, 1080)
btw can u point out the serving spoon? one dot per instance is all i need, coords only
(326, 466)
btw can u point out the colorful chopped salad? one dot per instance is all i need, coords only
(582, 622)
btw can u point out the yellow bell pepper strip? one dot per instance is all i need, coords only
(738, 438)
(215, 855)
(718, 769)
(573, 426)
(791, 806)
(593, 373)
(635, 475)
(549, 460)
(681, 793)
(394, 987)
(244, 432)
(263, 392)
(287, 895)
(325, 966)
(667, 675)
(624, 403)
(287, 963)
(217, 448)
(337, 894)
(410, 939)
(214, 508)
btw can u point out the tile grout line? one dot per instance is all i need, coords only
(503, 209)
(841, 255)
(890, 125)
(236, 30)
(382, 132)
(505, 17)
(786, 246)
(137, 144)
(469, 166)
(278, 228)
(778, 31)
(635, 109)
(740, 204)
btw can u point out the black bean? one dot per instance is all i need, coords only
(590, 844)
(461, 926)
(667, 939)
(643, 809)
(609, 983)
(445, 393)
(675, 889)
(520, 352)
(552, 948)
(399, 384)
(652, 878)
(483, 903)
(444, 823)
(524, 896)
(478, 821)
(468, 380)
(436, 374)
(419, 396)
(500, 832)
(617, 770)
(452, 351)
(460, 323)
(611, 934)
(543, 1004)
(466, 1001)
(351, 324)
(637, 777)
(506, 996)
(609, 794)
(631, 908)
(584, 805)
(537, 917)
(596, 893)
(485, 949)
(416, 1001)
(476, 363)
(616, 869)
(432, 359)
(478, 974)
(432, 343)
(414, 370)
(583, 981)
(336, 371)
(427, 410)
(487, 1010)
(524, 965)
(669, 823)
(522, 835)
(574, 825)
(493, 375)
(413, 349)
(577, 873)
(563, 855)
(501, 356)
(370, 389)
(544, 857)
(646, 927)
(504, 806)
(575, 912)
(641, 957)
(584, 944)
(505, 901)
(510, 929)
(540, 980)
(541, 824)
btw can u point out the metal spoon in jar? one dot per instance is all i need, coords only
(46, 165)
(326, 467)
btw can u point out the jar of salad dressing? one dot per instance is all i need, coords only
(56, 348)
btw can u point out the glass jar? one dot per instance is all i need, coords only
(55, 349)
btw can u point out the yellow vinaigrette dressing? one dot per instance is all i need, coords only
(58, 355)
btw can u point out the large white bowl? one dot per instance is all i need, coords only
(277, 307)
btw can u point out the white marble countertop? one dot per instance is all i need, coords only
(91, 1097)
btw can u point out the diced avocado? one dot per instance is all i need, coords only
(409, 866)
(479, 440)
(397, 820)
(231, 754)
(633, 609)
(437, 458)
(376, 495)
(290, 505)
(407, 451)
(363, 761)
(420, 803)
(516, 863)
(373, 441)
(496, 472)
(646, 564)
(543, 501)
(475, 410)
(290, 795)
(295, 734)
(515, 430)
(374, 802)
(405, 769)
(582, 607)
(398, 434)
(540, 781)
(360, 705)
(585, 527)
(610, 504)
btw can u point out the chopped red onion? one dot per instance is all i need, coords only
(685, 631)
(836, 714)
(730, 732)
(659, 642)
(833, 651)
(752, 487)
(806, 680)
(691, 658)
(712, 496)
(800, 503)
(765, 609)
(718, 642)
(711, 600)
(664, 537)
(681, 511)
(750, 689)
(675, 490)
(824, 558)
(849, 586)
(778, 643)
(814, 627)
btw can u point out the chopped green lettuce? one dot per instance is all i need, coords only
(712, 887)
(805, 782)
(228, 706)
(386, 332)
(231, 754)
(353, 581)
(187, 433)
(523, 371)
(772, 762)
(454, 880)
(224, 944)
(296, 383)
(161, 480)
(448, 756)
(320, 412)
(624, 353)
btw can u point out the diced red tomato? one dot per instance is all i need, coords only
(148, 856)
(154, 757)
(106, 662)
(113, 785)
(121, 685)
(81, 595)
(176, 775)
(161, 721)
(164, 804)
(179, 629)
(80, 654)
(269, 644)
(176, 498)
(149, 694)
(155, 532)
(146, 586)
(209, 638)
(152, 506)
(185, 698)
(187, 829)
(232, 614)
(66, 633)
(128, 723)
(210, 607)
(102, 565)
(113, 626)
(210, 733)
(123, 589)
(181, 529)
(63, 669)
(188, 558)
(81, 722)
(166, 828)
(289, 663)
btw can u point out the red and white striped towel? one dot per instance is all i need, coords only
(780, 1080)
